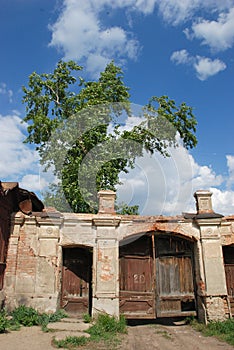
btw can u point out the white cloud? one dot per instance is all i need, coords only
(205, 67)
(222, 201)
(230, 165)
(19, 162)
(33, 182)
(181, 57)
(177, 11)
(96, 63)
(219, 35)
(161, 185)
(6, 92)
(144, 6)
(204, 176)
(166, 186)
(81, 36)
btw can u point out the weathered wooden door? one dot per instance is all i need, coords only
(228, 253)
(76, 281)
(175, 294)
(156, 277)
(136, 279)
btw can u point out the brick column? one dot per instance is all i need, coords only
(11, 266)
(106, 257)
(213, 282)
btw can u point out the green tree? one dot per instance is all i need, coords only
(76, 128)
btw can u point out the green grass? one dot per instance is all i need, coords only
(164, 334)
(70, 342)
(4, 322)
(104, 331)
(224, 331)
(87, 318)
(27, 317)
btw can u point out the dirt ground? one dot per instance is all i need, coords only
(169, 336)
(156, 336)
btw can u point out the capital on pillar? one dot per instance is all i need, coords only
(106, 202)
(203, 201)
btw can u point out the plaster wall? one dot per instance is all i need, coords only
(34, 262)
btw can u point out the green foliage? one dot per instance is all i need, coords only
(107, 326)
(87, 318)
(221, 330)
(70, 342)
(68, 118)
(124, 209)
(4, 322)
(27, 316)
(45, 318)
(105, 331)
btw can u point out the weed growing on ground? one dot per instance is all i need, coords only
(27, 316)
(87, 318)
(222, 330)
(104, 330)
(70, 342)
(4, 322)
(106, 327)
(164, 334)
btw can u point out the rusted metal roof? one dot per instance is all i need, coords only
(9, 185)
(21, 199)
(211, 215)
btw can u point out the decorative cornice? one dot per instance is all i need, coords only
(210, 221)
(49, 219)
(113, 221)
(17, 219)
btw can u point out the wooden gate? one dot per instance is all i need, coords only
(76, 281)
(175, 283)
(228, 253)
(156, 277)
(136, 279)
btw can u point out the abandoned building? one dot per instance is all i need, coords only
(139, 266)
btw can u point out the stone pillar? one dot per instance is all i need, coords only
(212, 291)
(106, 258)
(32, 276)
(106, 202)
(48, 276)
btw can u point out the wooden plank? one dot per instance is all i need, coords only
(229, 271)
(156, 278)
(175, 286)
(136, 280)
(228, 254)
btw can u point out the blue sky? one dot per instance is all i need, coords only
(181, 48)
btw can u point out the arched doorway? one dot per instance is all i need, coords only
(157, 277)
(76, 296)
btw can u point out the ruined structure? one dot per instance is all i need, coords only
(140, 266)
